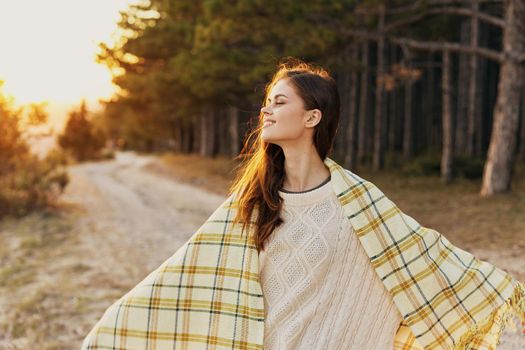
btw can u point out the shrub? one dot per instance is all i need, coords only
(33, 184)
(26, 182)
(429, 164)
(80, 137)
(468, 167)
(426, 164)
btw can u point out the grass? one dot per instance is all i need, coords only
(31, 240)
(457, 209)
(27, 287)
(212, 174)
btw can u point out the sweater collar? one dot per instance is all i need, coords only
(308, 197)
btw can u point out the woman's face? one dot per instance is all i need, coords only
(286, 116)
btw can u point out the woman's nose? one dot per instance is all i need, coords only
(265, 110)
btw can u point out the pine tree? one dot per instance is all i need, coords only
(80, 137)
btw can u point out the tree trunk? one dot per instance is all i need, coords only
(481, 82)
(379, 126)
(233, 129)
(431, 129)
(187, 137)
(447, 148)
(203, 126)
(499, 167)
(362, 135)
(351, 103)
(342, 77)
(221, 122)
(462, 109)
(408, 125)
(196, 126)
(175, 141)
(522, 127)
(211, 149)
(392, 129)
(472, 137)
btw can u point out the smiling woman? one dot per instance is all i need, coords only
(48, 48)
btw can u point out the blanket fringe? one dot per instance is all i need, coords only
(498, 320)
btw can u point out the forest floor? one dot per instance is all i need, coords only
(120, 219)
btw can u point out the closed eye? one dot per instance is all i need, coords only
(277, 103)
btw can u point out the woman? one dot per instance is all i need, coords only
(306, 254)
(313, 260)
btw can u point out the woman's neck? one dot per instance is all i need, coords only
(304, 172)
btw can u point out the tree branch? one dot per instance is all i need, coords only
(432, 45)
(369, 10)
(452, 47)
(498, 22)
(459, 2)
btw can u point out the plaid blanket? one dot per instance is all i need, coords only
(207, 295)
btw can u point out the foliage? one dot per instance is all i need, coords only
(429, 164)
(425, 164)
(468, 167)
(80, 137)
(33, 184)
(27, 183)
(175, 58)
(37, 114)
(11, 141)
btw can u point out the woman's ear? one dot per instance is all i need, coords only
(313, 118)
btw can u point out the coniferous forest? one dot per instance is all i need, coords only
(441, 79)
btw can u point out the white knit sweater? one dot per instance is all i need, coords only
(320, 289)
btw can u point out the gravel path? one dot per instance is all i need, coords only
(149, 217)
(125, 221)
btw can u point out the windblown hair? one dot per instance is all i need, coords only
(260, 175)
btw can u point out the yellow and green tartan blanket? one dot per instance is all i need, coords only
(207, 295)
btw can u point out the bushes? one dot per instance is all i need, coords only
(429, 164)
(81, 139)
(26, 182)
(33, 184)
(468, 167)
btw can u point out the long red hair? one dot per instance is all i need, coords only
(260, 174)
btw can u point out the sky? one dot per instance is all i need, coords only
(48, 49)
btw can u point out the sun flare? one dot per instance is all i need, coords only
(48, 49)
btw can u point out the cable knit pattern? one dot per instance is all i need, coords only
(320, 289)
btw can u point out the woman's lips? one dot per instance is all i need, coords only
(268, 123)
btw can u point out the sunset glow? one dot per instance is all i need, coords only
(48, 49)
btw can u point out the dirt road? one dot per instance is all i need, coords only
(121, 222)
(148, 216)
